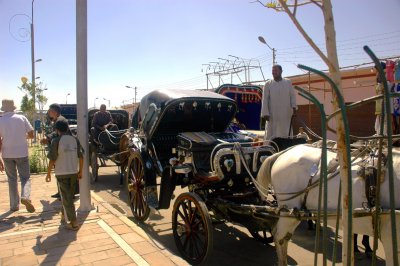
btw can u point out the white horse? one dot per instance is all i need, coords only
(290, 171)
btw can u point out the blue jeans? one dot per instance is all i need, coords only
(11, 165)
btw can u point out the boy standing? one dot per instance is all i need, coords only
(65, 153)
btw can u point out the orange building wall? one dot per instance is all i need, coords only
(357, 84)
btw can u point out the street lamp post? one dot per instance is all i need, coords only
(66, 98)
(261, 39)
(135, 88)
(94, 103)
(108, 101)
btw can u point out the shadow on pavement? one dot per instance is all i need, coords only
(55, 245)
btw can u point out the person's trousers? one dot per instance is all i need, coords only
(66, 186)
(11, 166)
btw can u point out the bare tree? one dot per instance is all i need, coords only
(331, 60)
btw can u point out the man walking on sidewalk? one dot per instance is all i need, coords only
(66, 156)
(14, 130)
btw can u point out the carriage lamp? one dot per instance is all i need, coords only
(228, 163)
(219, 106)
(194, 105)
(208, 105)
(181, 105)
(173, 161)
(183, 169)
(230, 107)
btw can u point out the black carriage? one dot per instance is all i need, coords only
(182, 140)
(106, 145)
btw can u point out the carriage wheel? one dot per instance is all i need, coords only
(263, 236)
(95, 167)
(136, 188)
(192, 228)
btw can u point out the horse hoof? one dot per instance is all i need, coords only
(358, 255)
(368, 255)
(311, 225)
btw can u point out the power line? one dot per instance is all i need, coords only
(302, 53)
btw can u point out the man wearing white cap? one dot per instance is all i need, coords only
(14, 130)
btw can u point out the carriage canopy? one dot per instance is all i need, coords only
(175, 111)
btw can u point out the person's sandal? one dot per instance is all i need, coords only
(28, 205)
(72, 227)
(63, 221)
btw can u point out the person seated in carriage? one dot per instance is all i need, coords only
(101, 121)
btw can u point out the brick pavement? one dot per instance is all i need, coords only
(106, 237)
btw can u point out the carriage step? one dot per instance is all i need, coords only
(206, 178)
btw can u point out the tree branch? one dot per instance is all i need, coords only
(295, 8)
(257, 1)
(302, 3)
(317, 3)
(305, 35)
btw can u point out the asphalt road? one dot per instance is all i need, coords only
(233, 244)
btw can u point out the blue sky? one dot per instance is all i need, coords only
(163, 43)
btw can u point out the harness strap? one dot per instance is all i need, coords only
(315, 183)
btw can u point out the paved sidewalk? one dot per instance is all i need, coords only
(106, 237)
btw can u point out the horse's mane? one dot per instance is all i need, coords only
(264, 173)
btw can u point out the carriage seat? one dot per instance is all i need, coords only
(164, 145)
(109, 140)
(200, 145)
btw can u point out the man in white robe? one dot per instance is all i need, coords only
(278, 105)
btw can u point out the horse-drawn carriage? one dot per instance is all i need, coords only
(106, 145)
(182, 139)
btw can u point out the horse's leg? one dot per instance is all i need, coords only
(365, 242)
(282, 232)
(356, 250)
(386, 238)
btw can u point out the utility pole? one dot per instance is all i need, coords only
(81, 100)
(33, 63)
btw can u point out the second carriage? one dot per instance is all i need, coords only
(107, 144)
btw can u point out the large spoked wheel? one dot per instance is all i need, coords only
(263, 236)
(192, 228)
(95, 167)
(136, 188)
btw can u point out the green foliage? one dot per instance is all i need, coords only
(27, 107)
(27, 102)
(38, 160)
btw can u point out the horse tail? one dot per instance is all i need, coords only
(123, 146)
(264, 173)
